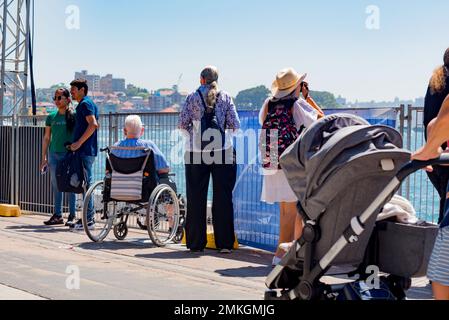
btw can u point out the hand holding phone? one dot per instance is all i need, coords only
(44, 169)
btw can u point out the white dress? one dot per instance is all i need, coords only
(276, 188)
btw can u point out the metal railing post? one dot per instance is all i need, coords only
(401, 128)
(110, 126)
(409, 142)
(402, 118)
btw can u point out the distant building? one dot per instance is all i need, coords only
(419, 102)
(106, 84)
(139, 103)
(165, 98)
(118, 85)
(93, 80)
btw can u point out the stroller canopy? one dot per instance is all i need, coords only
(334, 152)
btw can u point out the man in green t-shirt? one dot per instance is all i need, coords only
(58, 132)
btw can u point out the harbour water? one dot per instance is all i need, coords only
(257, 223)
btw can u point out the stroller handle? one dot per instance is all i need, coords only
(414, 166)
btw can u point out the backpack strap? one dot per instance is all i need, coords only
(205, 105)
(202, 99)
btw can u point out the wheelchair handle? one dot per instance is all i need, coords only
(104, 149)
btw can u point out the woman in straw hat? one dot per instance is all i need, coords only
(287, 113)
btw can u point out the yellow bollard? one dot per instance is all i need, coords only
(7, 210)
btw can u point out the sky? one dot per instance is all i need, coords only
(345, 47)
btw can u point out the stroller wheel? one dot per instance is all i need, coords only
(399, 286)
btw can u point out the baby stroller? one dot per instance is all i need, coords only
(131, 188)
(344, 171)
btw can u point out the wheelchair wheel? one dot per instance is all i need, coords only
(104, 214)
(163, 215)
(182, 220)
(121, 231)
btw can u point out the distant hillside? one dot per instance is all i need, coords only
(325, 100)
(253, 98)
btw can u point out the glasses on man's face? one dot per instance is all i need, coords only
(57, 98)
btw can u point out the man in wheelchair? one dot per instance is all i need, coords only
(137, 183)
(133, 131)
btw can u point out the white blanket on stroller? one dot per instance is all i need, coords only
(400, 208)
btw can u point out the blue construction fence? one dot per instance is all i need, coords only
(257, 223)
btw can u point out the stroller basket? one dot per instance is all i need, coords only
(403, 249)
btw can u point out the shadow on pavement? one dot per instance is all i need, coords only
(113, 245)
(38, 229)
(242, 255)
(246, 272)
(173, 255)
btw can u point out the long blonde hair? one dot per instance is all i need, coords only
(438, 80)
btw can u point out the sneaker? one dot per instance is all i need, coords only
(79, 226)
(225, 251)
(54, 221)
(70, 222)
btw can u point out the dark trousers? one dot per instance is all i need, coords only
(224, 177)
(440, 178)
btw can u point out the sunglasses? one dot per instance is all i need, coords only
(58, 98)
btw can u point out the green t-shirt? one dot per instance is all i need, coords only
(59, 132)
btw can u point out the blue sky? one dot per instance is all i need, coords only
(150, 43)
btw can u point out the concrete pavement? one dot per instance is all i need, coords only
(52, 263)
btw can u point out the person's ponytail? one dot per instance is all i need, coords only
(69, 112)
(212, 94)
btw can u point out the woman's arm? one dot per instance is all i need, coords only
(438, 135)
(185, 118)
(45, 145)
(304, 114)
(232, 117)
(263, 113)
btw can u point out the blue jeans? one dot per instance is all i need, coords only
(53, 160)
(88, 162)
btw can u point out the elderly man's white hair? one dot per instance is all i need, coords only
(133, 125)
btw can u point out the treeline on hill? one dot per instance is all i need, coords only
(253, 99)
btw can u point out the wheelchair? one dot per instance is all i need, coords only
(157, 207)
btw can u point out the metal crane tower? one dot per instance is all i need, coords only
(15, 51)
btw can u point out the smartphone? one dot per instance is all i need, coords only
(44, 170)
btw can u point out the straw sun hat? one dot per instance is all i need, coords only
(287, 80)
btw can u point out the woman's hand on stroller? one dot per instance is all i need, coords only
(426, 154)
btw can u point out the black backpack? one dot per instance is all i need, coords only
(209, 121)
(70, 174)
